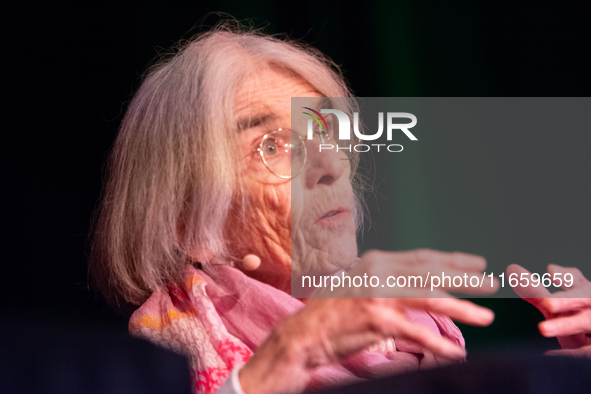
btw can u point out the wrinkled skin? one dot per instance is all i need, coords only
(287, 228)
(315, 245)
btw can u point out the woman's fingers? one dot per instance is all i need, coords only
(425, 269)
(533, 295)
(430, 258)
(559, 304)
(577, 296)
(574, 297)
(462, 311)
(374, 320)
(397, 326)
(568, 313)
(458, 260)
(568, 325)
(436, 301)
(529, 291)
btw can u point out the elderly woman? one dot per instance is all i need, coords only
(200, 228)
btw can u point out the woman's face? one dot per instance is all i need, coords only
(305, 224)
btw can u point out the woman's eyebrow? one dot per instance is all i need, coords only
(251, 121)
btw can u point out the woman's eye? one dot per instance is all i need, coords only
(270, 147)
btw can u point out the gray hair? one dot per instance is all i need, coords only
(171, 183)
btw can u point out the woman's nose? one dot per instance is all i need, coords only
(324, 167)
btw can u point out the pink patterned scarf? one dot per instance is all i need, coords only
(218, 319)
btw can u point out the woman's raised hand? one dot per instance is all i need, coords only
(567, 312)
(327, 330)
(431, 266)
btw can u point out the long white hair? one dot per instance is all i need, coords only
(172, 173)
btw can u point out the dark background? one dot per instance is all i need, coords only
(70, 71)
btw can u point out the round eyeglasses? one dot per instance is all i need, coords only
(284, 152)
